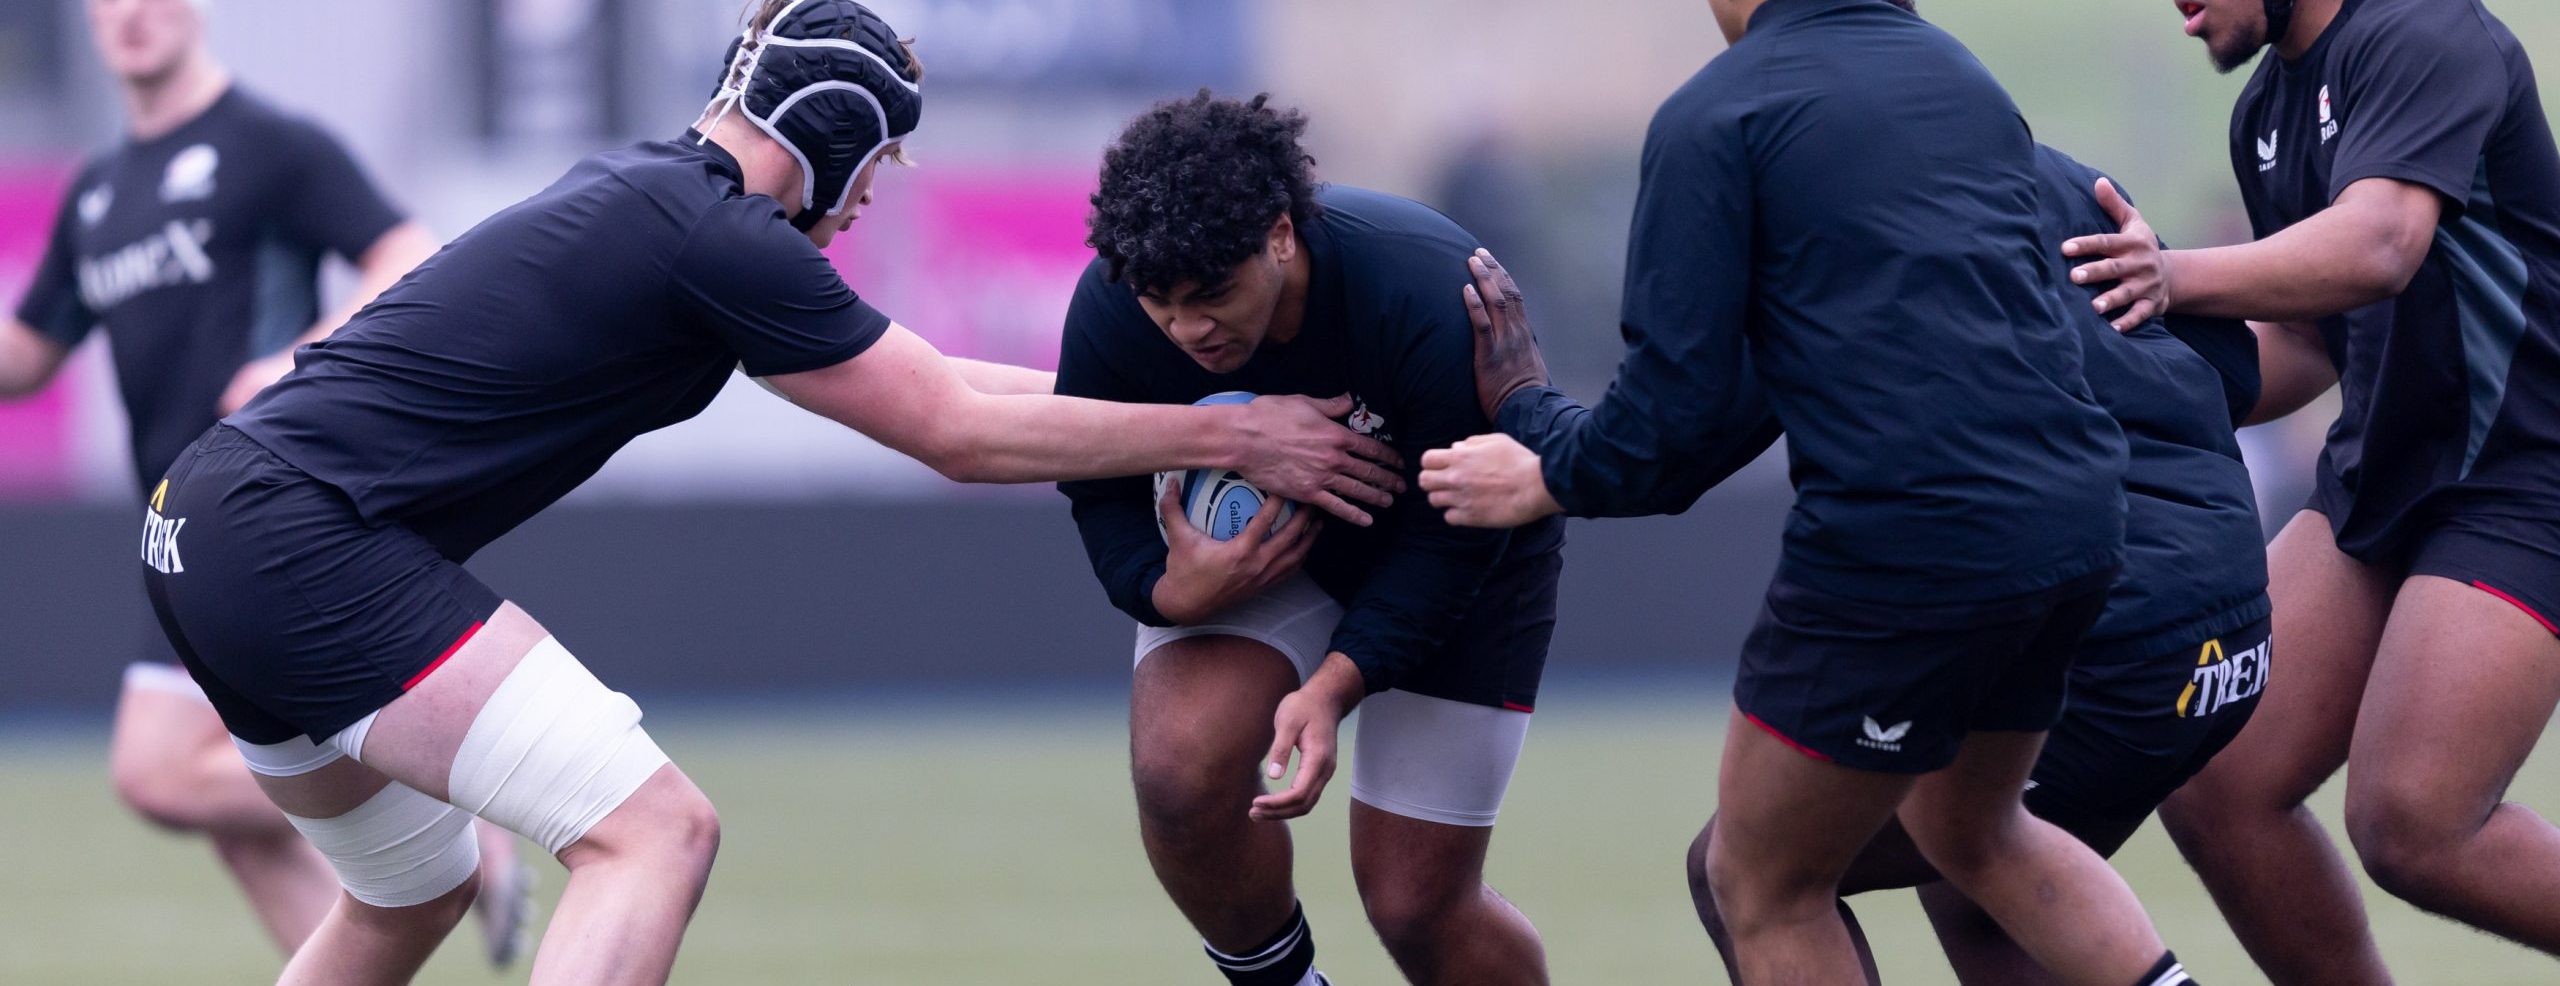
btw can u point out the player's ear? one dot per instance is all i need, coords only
(1283, 240)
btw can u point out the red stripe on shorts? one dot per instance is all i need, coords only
(2517, 603)
(440, 659)
(1517, 707)
(1782, 738)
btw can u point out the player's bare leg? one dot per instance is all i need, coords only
(2462, 690)
(1887, 852)
(634, 877)
(1788, 827)
(1199, 722)
(2242, 822)
(1981, 952)
(2064, 905)
(1422, 884)
(173, 764)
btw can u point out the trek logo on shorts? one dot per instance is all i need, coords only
(160, 535)
(1882, 737)
(2221, 680)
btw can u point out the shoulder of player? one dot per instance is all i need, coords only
(2423, 29)
(740, 241)
(261, 121)
(1105, 312)
(1390, 246)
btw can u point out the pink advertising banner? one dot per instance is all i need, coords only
(36, 433)
(979, 262)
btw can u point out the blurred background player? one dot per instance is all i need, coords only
(2402, 181)
(1842, 207)
(1224, 266)
(306, 554)
(196, 243)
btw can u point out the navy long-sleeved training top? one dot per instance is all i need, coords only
(2195, 556)
(1836, 236)
(1385, 323)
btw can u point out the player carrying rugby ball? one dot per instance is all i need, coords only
(1224, 266)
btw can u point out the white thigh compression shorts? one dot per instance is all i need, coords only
(1427, 758)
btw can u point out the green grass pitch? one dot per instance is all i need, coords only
(994, 843)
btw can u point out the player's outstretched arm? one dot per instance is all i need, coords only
(27, 359)
(1637, 455)
(1003, 378)
(2364, 248)
(2293, 369)
(906, 395)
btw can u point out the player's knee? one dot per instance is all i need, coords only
(1409, 918)
(1176, 793)
(2403, 836)
(152, 788)
(1965, 845)
(689, 828)
(1693, 864)
(427, 919)
(1757, 893)
(400, 850)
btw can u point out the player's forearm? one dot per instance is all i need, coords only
(27, 360)
(1591, 472)
(1040, 438)
(1004, 378)
(2293, 370)
(2362, 250)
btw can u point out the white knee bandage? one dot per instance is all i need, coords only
(553, 752)
(398, 849)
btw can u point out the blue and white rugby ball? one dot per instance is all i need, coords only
(1220, 502)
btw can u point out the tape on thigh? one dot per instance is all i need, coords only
(400, 848)
(553, 752)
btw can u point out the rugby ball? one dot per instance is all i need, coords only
(1219, 502)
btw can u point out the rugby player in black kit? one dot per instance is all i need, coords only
(306, 555)
(1836, 235)
(2402, 180)
(196, 244)
(1225, 266)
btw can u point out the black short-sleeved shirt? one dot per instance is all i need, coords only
(1837, 227)
(1385, 323)
(506, 369)
(198, 251)
(2450, 392)
(2195, 559)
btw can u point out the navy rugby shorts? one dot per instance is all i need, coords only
(296, 616)
(2136, 730)
(1896, 687)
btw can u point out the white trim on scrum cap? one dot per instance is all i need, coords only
(809, 176)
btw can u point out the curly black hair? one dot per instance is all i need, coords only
(1192, 187)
